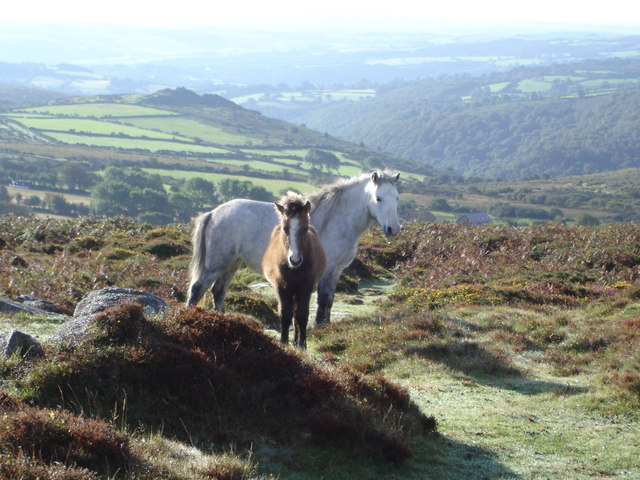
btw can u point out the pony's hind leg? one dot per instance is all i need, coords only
(221, 285)
(199, 286)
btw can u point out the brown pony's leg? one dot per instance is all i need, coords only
(302, 317)
(285, 302)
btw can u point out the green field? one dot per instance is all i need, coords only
(191, 128)
(133, 143)
(99, 110)
(93, 127)
(273, 186)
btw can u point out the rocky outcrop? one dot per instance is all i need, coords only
(19, 343)
(100, 300)
(32, 307)
(75, 330)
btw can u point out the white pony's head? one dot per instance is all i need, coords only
(383, 205)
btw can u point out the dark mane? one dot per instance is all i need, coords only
(293, 203)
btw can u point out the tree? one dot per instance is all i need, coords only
(587, 219)
(76, 175)
(440, 205)
(58, 204)
(200, 191)
(183, 206)
(123, 192)
(4, 194)
(322, 160)
(229, 189)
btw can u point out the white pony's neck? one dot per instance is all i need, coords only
(351, 200)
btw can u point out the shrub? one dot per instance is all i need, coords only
(164, 248)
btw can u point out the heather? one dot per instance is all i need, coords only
(498, 352)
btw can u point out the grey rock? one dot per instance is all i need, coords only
(75, 331)
(10, 306)
(100, 300)
(20, 343)
(72, 332)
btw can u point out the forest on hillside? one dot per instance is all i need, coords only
(553, 121)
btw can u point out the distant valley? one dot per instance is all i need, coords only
(454, 112)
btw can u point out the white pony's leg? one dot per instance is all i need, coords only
(220, 286)
(201, 285)
(326, 293)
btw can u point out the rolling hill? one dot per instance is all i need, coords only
(174, 134)
(63, 148)
(552, 121)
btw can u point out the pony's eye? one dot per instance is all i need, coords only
(378, 199)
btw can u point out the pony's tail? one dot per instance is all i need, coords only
(199, 246)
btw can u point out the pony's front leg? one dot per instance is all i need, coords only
(326, 293)
(286, 314)
(302, 319)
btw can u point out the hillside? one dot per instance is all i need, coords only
(554, 121)
(165, 143)
(164, 157)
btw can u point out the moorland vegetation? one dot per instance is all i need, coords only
(500, 351)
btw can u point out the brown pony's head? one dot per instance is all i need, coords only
(294, 225)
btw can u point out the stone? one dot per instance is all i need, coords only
(20, 343)
(76, 330)
(100, 300)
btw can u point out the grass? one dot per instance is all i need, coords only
(194, 129)
(93, 127)
(99, 110)
(273, 185)
(134, 143)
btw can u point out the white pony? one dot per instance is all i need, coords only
(239, 230)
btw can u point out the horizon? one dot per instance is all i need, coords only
(287, 15)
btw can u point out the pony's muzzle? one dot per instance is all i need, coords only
(392, 231)
(294, 262)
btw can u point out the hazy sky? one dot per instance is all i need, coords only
(301, 13)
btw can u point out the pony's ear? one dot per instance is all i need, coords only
(307, 207)
(397, 178)
(374, 177)
(279, 207)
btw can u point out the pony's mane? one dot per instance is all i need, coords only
(293, 203)
(332, 192)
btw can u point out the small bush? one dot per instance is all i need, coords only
(164, 248)
(254, 306)
(84, 243)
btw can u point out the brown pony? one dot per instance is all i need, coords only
(293, 263)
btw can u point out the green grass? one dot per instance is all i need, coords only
(531, 86)
(274, 186)
(99, 110)
(39, 327)
(134, 143)
(192, 128)
(96, 127)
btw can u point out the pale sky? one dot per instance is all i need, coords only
(322, 13)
